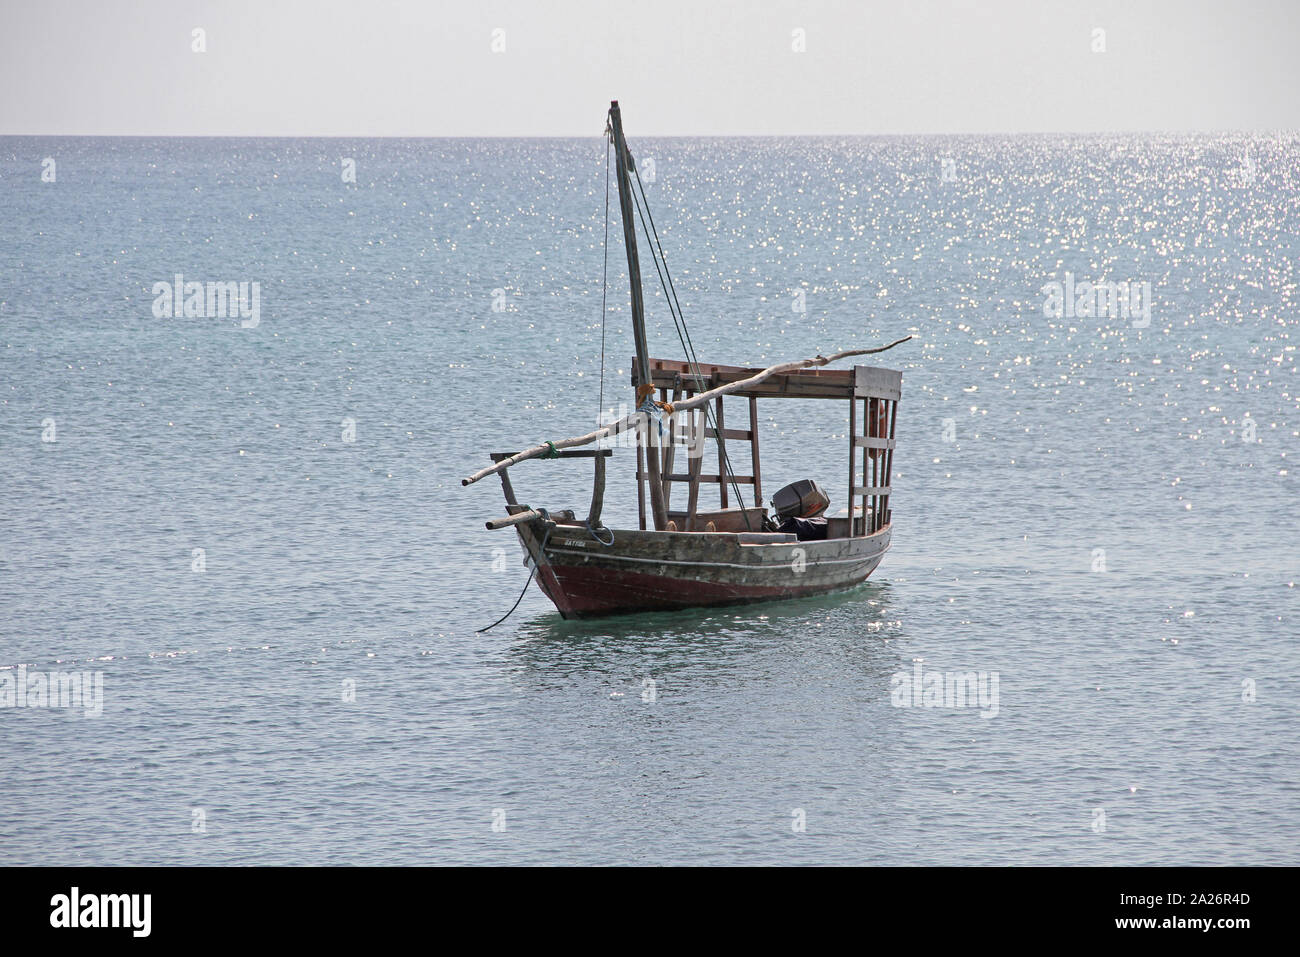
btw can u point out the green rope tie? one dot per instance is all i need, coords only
(552, 454)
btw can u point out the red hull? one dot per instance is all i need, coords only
(590, 592)
(593, 581)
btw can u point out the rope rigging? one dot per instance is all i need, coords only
(683, 333)
(604, 284)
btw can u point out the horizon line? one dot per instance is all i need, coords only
(699, 136)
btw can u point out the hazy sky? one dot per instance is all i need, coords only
(400, 67)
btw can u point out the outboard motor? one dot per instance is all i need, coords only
(798, 509)
(803, 499)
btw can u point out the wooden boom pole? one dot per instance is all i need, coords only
(624, 164)
(636, 419)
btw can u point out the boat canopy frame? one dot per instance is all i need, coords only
(873, 394)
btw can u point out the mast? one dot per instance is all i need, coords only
(624, 164)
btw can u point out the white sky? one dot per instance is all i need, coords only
(406, 68)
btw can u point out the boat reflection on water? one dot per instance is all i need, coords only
(855, 629)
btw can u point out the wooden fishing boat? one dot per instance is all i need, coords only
(694, 556)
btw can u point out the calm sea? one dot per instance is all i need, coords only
(252, 529)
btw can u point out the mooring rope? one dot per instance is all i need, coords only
(607, 544)
(541, 552)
